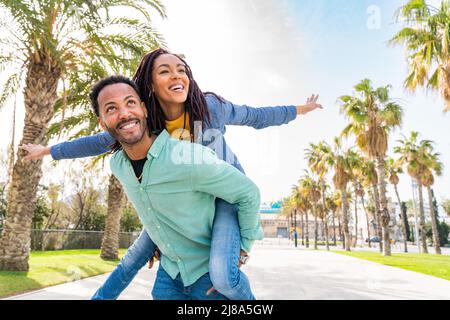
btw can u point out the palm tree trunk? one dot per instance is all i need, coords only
(334, 228)
(434, 228)
(315, 225)
(367, 221)
(289, 226)
(356, 219)
(325, 216)
(40, 96)
(341, 237)
(423, 231)
(13, 142)
(307, 229)
(345, 220)
(110, 242)
(303, 228)
(405, 236)
(376, 198)
(385, 217)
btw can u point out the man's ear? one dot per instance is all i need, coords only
(144, 108)
(102, 123)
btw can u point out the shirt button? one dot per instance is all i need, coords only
(168, 246)
(158, 227)
(178, 260)
(149, 209)
(141, 189)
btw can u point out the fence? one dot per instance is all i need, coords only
(74, 239)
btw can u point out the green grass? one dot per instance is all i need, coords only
(48, 268)
(431, 264)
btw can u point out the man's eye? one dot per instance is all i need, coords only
(110, 109)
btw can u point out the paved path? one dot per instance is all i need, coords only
(283, 272)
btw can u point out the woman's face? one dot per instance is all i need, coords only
(170, 80)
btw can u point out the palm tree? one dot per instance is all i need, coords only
(286, 209)
(332, 206)
(370, 175)
(394, 169)
(320, 160)
(372, 117)
(355, 163)
(340, 180)
(309, 187)
(432, 163)
(49, 42)
(426, 38)
(303, 206)
(411, 151)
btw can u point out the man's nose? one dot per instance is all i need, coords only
(124, 113)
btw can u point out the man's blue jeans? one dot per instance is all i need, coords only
(166, 288)
(223, 266)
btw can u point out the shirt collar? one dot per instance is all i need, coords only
(158, 144)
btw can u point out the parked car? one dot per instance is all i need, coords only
(374, 239)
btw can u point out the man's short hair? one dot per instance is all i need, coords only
(101, 84)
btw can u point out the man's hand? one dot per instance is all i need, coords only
(311, 104)
(35, 151)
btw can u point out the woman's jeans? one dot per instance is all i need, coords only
(223, 264)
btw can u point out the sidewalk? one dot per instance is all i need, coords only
(280, 271)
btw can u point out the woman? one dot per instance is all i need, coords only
(176, 103)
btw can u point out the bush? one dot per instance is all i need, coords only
(443, 230)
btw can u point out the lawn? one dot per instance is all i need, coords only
(49, 268)
(431, 264)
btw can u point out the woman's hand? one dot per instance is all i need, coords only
(35, 151)
(311, 104)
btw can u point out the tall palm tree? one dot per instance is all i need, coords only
(340, 180)
(394, 169)
(332, 206)
(302, 205)
(371, 179)
(412, 153)
(309, 187)
(426, 38)
(432, 163)
(373, 115)
(320, 160)
(355, 163)
(49, 42)
(286, 208)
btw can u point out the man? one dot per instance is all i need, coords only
(173, 185)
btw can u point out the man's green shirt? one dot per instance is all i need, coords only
(176, 202)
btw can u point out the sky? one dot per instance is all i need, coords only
(272, 52)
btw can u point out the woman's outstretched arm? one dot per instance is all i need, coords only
(259, 118)
(78, 148)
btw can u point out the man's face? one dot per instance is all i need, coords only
(122, 113)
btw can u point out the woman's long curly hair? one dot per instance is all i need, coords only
(195, 105)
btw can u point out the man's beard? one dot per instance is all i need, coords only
(131, 140)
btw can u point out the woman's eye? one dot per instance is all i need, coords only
(182, 70)
(164, 71)
(131, 102)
